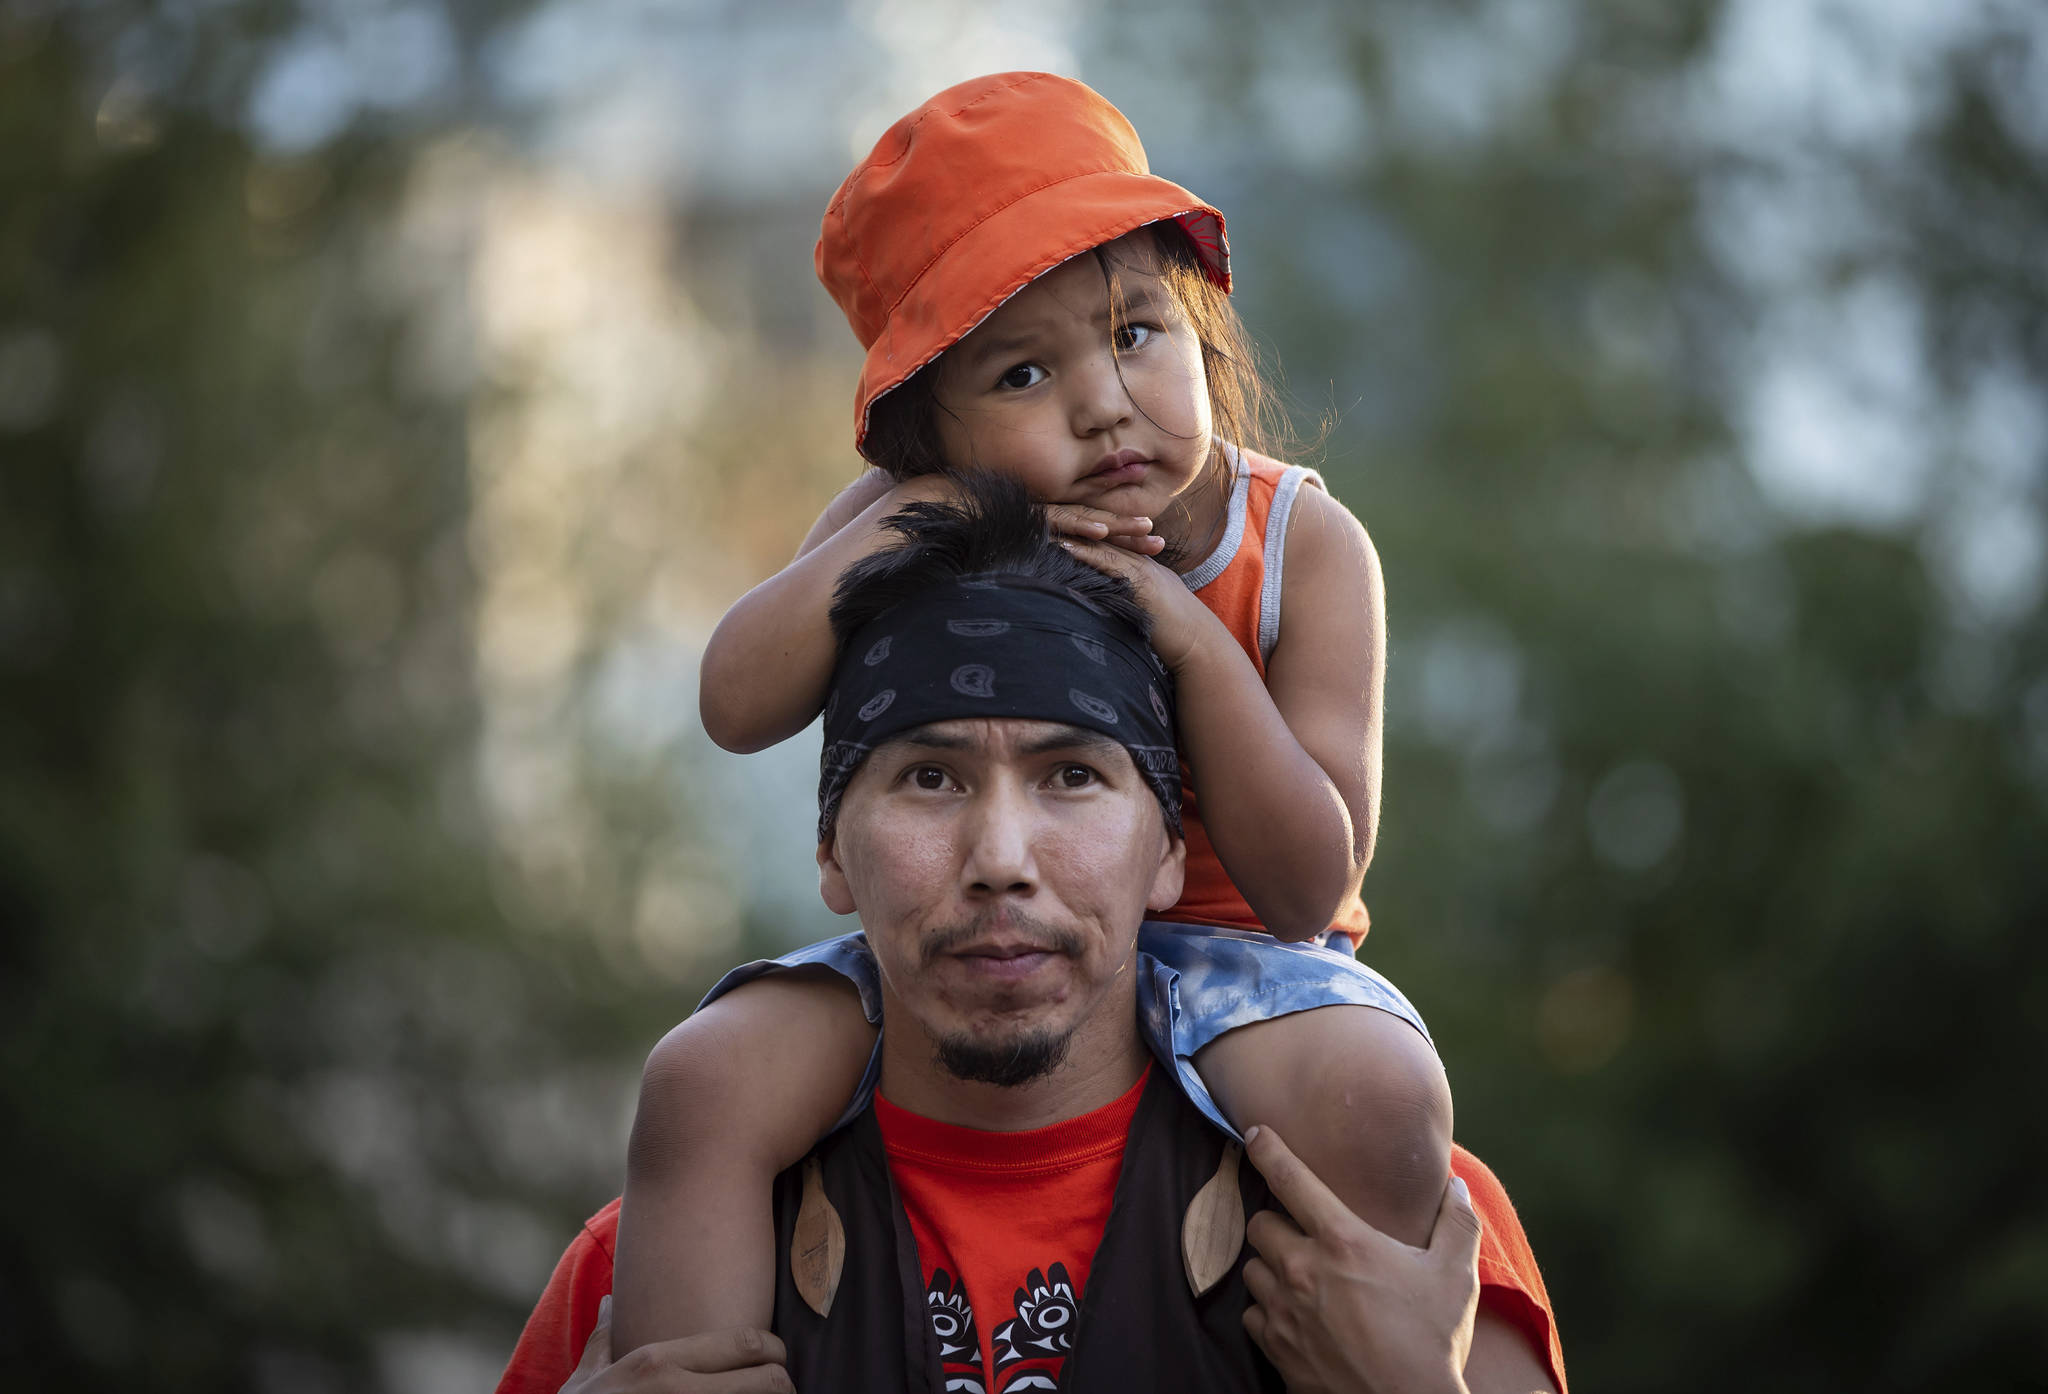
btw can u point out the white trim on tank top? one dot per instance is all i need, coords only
(1233, 529)
(1276, 553)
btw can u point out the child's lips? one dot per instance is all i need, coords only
(1122, 467)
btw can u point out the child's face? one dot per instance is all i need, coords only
(1046, 390)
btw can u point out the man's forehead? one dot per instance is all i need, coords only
(1000, 737)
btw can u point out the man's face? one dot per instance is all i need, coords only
(1001, 869)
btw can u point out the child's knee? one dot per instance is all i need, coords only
(1359, 1096)
(799, 1045)
(1395, 1123)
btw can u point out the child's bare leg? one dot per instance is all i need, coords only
(733, 1096)
(1358, 1095)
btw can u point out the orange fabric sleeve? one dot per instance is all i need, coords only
(1510, 1284)
(552, 1343)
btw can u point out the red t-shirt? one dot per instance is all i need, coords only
(1510, 1286)
(1006, 1227)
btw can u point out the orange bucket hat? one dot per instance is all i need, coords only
(970, 198)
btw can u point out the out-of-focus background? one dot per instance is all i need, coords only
(394, 392)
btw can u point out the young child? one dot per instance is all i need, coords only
(1035, 303)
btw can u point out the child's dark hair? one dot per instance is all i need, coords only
(992, 527)
(903, 432)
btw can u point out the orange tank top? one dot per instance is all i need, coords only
(1240, 583)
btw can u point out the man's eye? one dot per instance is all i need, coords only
(928, 777)
(1075, 776)
(1022, 376)
(1131, 337)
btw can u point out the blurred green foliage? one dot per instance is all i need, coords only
(268, 1039)
(1713, 842)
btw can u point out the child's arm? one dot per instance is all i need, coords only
(767, 666)
(1327, 675)
(1288, 769)
(769, 662)
(739, 1092)
(849, 503)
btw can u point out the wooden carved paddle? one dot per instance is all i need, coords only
(1213, 1231)
(817, 1251)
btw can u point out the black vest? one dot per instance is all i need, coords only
(1139, 1328)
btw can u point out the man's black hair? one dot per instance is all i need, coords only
(992, 527)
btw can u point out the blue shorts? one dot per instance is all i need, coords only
(1194, 983)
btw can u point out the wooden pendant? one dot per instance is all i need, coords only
(817, 1251)
(1213, 1231)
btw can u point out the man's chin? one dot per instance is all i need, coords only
(1008, 1061)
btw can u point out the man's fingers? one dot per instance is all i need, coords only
(1272, 1234)
(597, 1351)
(1455, 1240)
(1255, 1325)
(757, 1379)
(741, 1360)
(1312, 1204)
(736, 1348)
(1260, 1280)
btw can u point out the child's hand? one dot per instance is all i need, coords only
(1099, 525)
(1179, 621)
(1067, 519)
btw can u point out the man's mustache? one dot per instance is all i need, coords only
(1012, 926)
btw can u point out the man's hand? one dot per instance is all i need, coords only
(1338, 1306)
(742, 1360)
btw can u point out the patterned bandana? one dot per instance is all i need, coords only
(998, 646)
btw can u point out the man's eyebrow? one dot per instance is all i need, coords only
(1069, 738)
(928, 740)
(1061, 737)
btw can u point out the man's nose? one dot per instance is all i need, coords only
(1000, 838)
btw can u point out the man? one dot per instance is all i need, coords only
(1030, 1202)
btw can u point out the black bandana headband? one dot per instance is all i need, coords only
(998, 646)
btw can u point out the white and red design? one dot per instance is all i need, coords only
(1006, 1226)
(1031, 1348)
(952, 1318)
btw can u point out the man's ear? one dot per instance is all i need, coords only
(1171, 877)
(832, 887)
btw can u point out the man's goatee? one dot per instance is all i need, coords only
(1004, 1063)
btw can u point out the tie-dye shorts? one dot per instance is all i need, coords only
(1194, 983)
